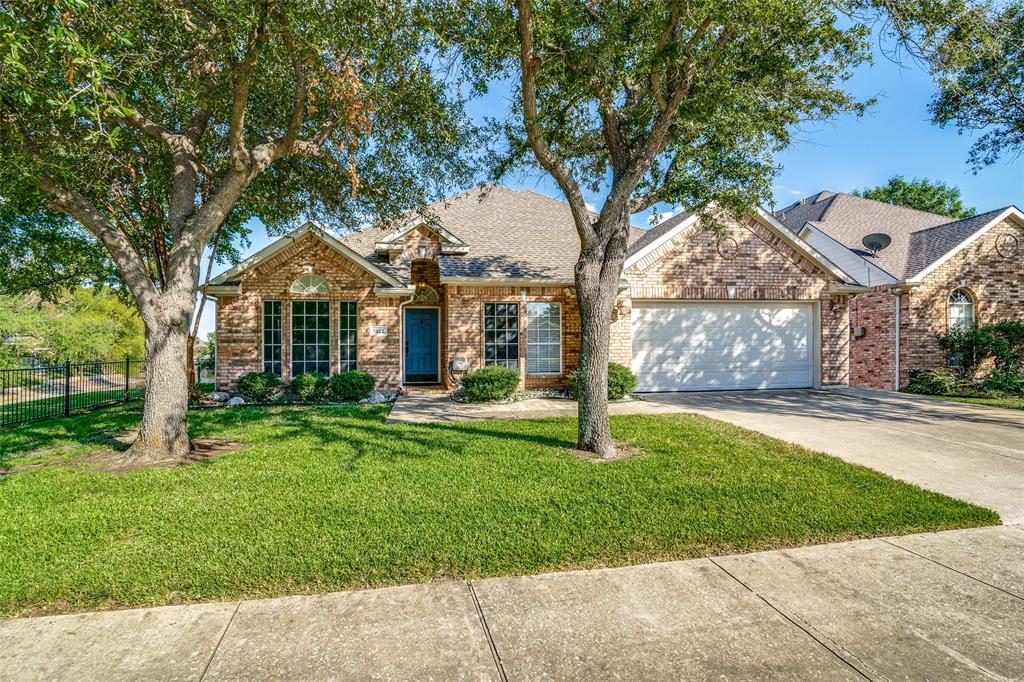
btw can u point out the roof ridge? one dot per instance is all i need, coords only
(962, 220)
(899, 206)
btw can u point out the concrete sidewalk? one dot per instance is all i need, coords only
(934, 606)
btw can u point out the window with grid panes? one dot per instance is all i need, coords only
(272, 337)
(501, 334)
(348, 325)
(311, 337)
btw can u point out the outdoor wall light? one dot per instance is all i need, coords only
(730, 289)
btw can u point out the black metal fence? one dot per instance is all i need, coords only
(33, 393)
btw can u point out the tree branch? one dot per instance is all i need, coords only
(547, 158)
(240, 99)
(121, 251)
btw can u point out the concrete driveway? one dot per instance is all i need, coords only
(970, 452)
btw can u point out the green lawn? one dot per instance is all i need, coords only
(331, 498)
(1008, 403)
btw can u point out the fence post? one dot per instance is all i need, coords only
(127, 371)
(67, 388)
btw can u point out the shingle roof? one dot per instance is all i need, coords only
(918, 238)
(511, 234)
(652, 235)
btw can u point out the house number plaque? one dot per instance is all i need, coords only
(378, 331)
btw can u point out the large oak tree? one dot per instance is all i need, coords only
(159, 126)
(656, 103)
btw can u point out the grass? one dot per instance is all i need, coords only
(42, 407)
(331, 498)
(1007, 403)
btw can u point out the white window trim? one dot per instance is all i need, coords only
(972, 305)
(528, 324)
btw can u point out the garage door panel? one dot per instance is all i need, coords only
(723, 346)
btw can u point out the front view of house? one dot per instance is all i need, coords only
(490, 282)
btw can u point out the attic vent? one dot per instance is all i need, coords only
(876, 241)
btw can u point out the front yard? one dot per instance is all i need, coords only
(321, 499)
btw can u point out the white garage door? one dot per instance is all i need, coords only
(723, 346)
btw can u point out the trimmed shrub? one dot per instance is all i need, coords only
(309, 387)
(490, 383)
(968, 348)
(944, 381)
(1005, 382)
(353, 385)
(621, 381)
(259, 387)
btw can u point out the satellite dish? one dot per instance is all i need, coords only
(876, 241)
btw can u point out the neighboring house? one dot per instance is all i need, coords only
(936, 274)
(490, 281)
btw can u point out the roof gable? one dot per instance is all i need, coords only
(287, 240)
(669, 229)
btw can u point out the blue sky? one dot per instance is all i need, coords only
(895, 137)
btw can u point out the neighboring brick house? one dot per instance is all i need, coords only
(489, 280)
(935, 273)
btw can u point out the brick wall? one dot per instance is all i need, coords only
(240, 318)
(699, 264)
(465, 309)
(996, 282)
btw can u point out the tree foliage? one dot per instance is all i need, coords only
(979, 70)
(920, 193)
(81, 325)
(162, 126)
(661, 103)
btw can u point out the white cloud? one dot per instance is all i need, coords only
(795, 192)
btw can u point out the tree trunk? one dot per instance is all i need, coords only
(163, 436)
(598, 272)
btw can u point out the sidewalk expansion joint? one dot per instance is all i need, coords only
(950, 568)
(487, 632)
(823, 640)
(220, 641)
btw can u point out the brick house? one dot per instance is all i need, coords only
(932, 273)
(489, 280)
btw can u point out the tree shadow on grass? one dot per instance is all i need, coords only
(91, 428)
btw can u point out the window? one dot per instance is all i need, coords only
(543, 338)
(310, 284)
(961, 309)
(348, 333)
(272, 337)
(311, 337)
(501, 334)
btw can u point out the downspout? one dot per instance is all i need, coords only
(897, 298)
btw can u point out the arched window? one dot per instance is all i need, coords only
(310, 284)
(961, 309)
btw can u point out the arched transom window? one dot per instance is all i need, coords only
(310, 284)
(961, 309)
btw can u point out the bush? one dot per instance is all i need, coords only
(621, 381)
(1010, 352)
(259, 387)
(354, 385)
(1005, 382)
(968, 348)
(309, 387)
(490, 383)
(935, 382)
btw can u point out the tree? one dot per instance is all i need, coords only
(158, 126)
(979, 70)
(677, 103)
(920, 193)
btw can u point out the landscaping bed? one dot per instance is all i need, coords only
(331, 498)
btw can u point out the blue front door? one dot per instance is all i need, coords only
(421, 345)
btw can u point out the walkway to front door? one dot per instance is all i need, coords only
(421, 346)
